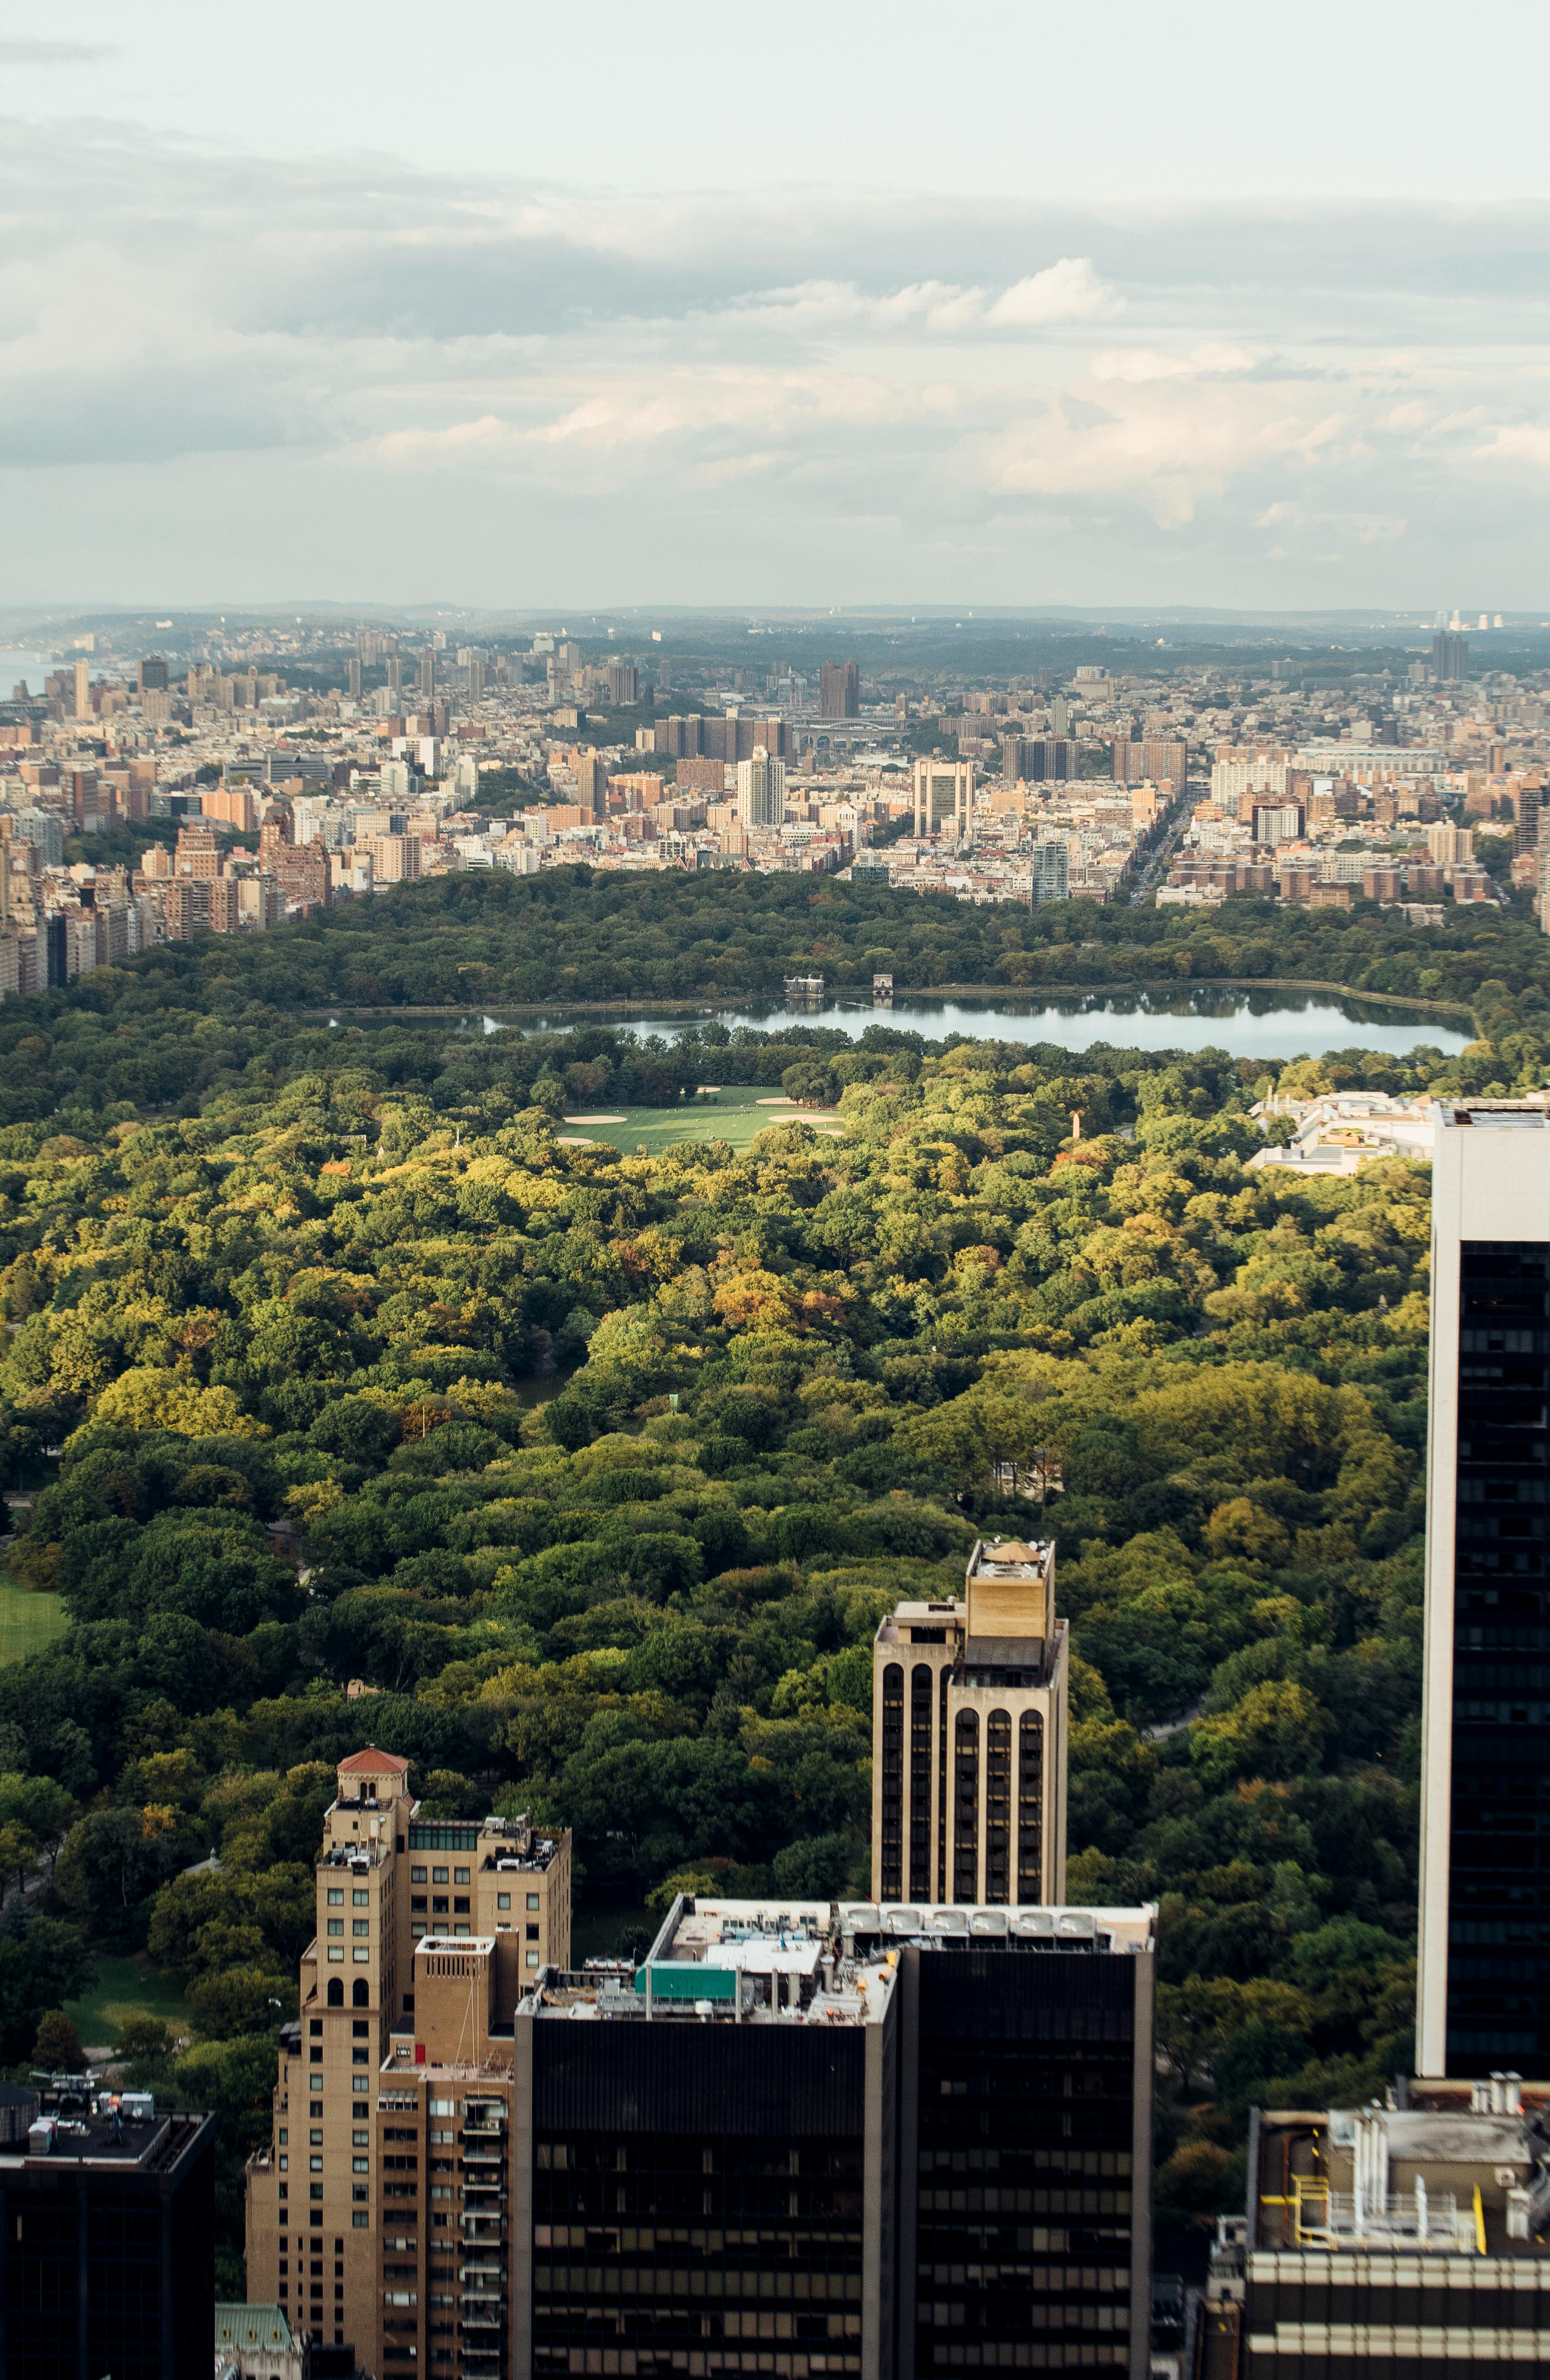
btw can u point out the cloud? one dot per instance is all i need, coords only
(54, 53)
(1068, 292)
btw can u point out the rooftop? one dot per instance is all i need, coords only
(1494, 1115)
(152, 2142)
(372, 1763)
(1464, 2173)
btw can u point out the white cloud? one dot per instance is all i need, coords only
(1070, 291)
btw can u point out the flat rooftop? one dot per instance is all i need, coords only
(1455, 2176)
(1010, 1559)
(150, 2145)
(1494, 1115)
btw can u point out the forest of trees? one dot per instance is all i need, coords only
(355, 1372)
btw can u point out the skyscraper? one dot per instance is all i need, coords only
(1484, 1981)
(84, 688)
(333, 2195)
(353, 678)
(428, 673)
(1450, 656)
(839, 690)
(761, 790)
(969, 1739)
(943, 789)
(394, 668)
(150, 674)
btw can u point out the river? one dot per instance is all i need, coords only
(1269, 1025)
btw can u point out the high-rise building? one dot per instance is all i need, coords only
(393, 664)
(1049, 871)
(839, 690)
(428, 1932)
(107, 2250)
(353, 678)
(84, 688)
(969, 1738)
(428, 673)
(1483, 2002)
(1449, 847)
(761, 790)
(592, 781)
(944, 789)
(624, 684)
(1450, 656)
(863, 2141)
(150, 674)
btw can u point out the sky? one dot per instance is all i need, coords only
(848, 304)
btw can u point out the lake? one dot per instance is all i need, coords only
(1269, 1025)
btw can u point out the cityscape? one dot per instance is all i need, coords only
(775, 1194)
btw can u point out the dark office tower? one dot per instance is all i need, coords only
(354, 672)
(428, 673)
(1450, 656)
(150, 674)
(706, 2176)
(1484, 1981)
(107, 2251)
(839, 690)
(1026, 2048)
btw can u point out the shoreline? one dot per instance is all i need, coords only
(1035, 995)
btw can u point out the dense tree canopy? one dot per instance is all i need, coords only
(591, 1475)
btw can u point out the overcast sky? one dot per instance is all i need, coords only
(836, 304)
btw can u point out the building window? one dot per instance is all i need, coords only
(532, 1957)
(337, 1953)
(438, 1876)
(361, 1925)
(416, 1929)
(966, 1807)
(336, 1896)
(503, 1901)
(1031, 1805)
(462, 1929)
(336, 1925)
(360, 1900)
(998, 1807)
(942, 1681)
(361, 1954)
(532, 1901)
(920, 1683)
(893, 1782)
(460, 1875)
(417, 1876)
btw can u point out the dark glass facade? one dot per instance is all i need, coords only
(699, 2196)
(966, 1806)
(892, 1782)
(107, 2265)
(1498, 2001)
(1030, 1801)
(1031, 2246)
(922, 1681)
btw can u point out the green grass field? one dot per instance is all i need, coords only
(28, 1621)
(124, 1985)
(732, 1116)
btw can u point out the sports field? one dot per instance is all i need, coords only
(734, 1116)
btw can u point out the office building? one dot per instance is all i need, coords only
(1450, 657)
(839, 690)
(107, 2248)
(336, 2194)
(1484, 1995)
(1383, 2242)
(150, 674)
(428, 674)
(944, 789)
(969, 1739)
(761, 790)
(82, 697)
(352, 678)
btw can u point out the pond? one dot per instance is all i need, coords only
(1269, 1025)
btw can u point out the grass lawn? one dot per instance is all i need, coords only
(122, 1985)
(732, 1115)
(28, 1621)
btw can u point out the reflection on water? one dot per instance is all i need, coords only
(1249, 1024)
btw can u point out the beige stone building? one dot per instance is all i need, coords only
(969, 1739)
(429, 1932)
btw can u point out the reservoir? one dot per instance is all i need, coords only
(1270, 1025)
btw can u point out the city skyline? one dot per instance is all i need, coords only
(278, 334)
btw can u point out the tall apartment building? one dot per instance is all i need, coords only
(151, 675)
(1135, 760)
(428, 673)
(428, 1931)
(107, 2246)
(839, 690)
(761, 790)
(624, 684)
(1450, 657)
(944, 789)
(592, 781)
(969, 1735)
(1483, 2002)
